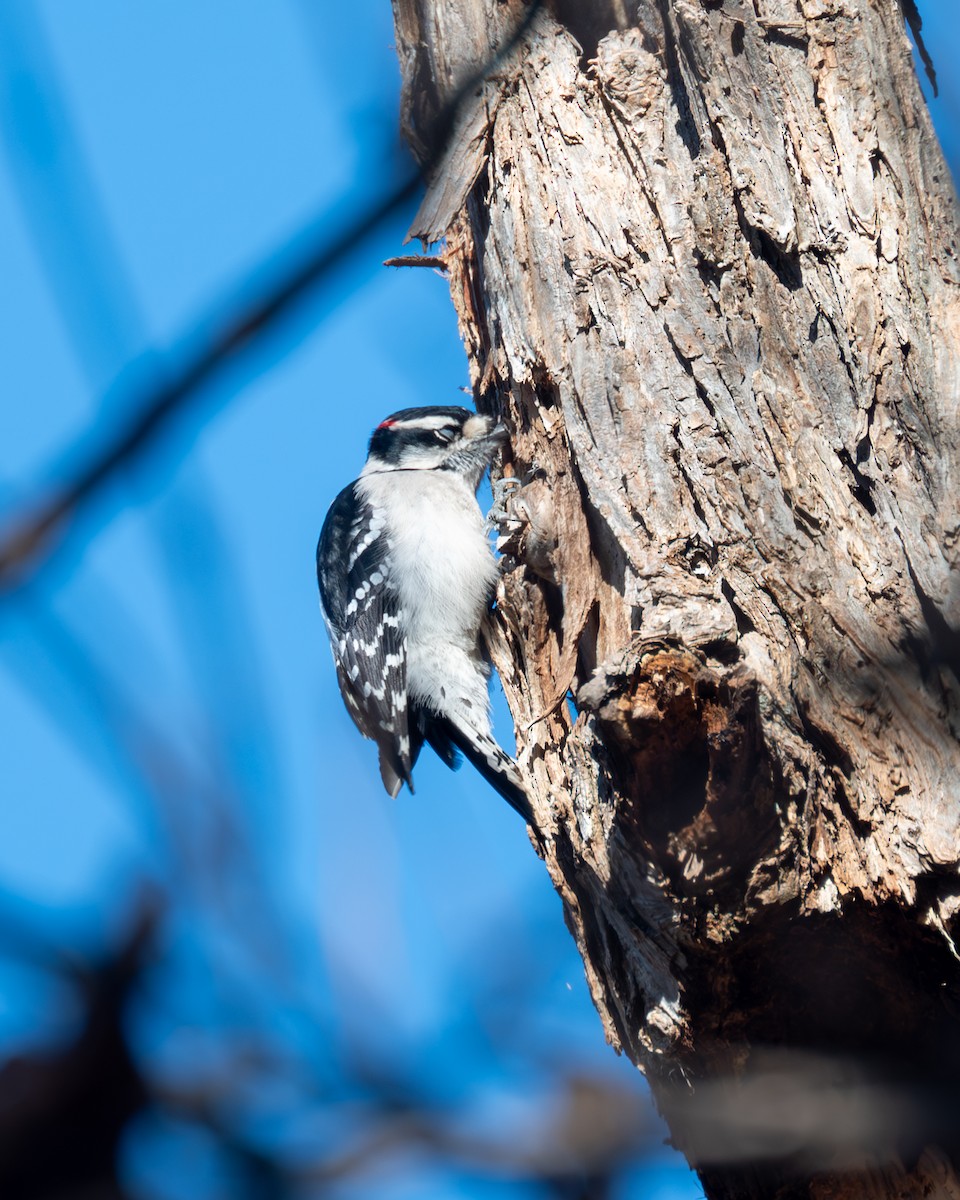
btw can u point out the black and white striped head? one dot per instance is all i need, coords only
(435, 439)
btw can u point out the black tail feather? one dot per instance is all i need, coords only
(395, 768)
(486, 756)
(434, 734)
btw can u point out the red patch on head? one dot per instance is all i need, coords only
(387, 423)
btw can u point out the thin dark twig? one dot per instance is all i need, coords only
(417, 260)
(31, 541)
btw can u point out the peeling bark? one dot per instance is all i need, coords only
(704, 258)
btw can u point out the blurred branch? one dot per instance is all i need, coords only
(147, 761)
(30, 543)
(70, 231)
(209, 856)
(63, 1112)
(32, 538)
(58, 199)
(23, 941)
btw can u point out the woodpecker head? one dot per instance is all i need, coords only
(435, 439)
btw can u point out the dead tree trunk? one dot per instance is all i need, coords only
(704, 255)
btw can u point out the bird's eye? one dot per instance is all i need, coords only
(444, 436)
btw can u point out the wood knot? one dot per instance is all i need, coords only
(687, 756)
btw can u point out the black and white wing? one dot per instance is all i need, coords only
(361, 611)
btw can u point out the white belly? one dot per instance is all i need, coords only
(447, 577)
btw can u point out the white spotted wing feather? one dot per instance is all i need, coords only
(361, 609)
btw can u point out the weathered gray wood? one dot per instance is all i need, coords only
(704, 257)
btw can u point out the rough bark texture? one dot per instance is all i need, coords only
(704, 255)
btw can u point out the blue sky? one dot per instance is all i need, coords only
(153, 156)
